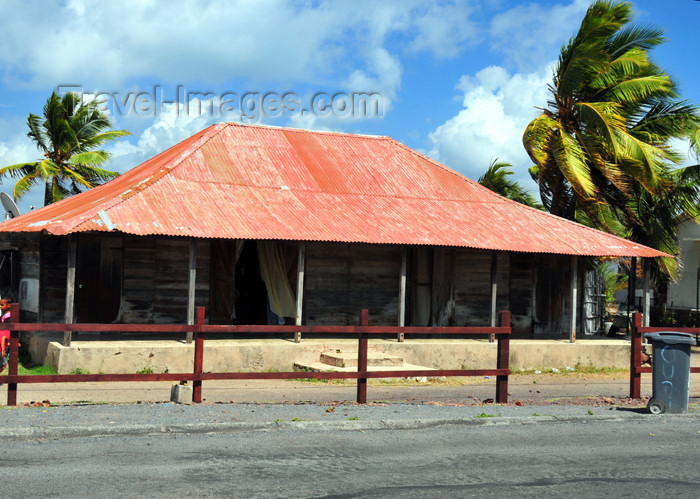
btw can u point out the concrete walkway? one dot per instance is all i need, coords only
(95, 354)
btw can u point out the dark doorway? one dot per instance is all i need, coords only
(9, 274)
(549, 296)
(98, 280)
(251, 293)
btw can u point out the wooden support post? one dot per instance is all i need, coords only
(14, 356)
(503, 360)
(533, 292)
(300, 289)
(70, 286)
(647, 297)
(636, 357)
(574, 298)
(631, 290)
(191, 286)
(402, 293)
(453, 278)
(362, 359)
(494, 291)
(198, 356)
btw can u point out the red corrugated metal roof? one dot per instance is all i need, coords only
(254, 182)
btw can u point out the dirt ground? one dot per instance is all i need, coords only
(604, 388)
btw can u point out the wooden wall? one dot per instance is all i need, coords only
(341, 279)
(155, 278)
(473, 286)
(522, 287)
(54, 265)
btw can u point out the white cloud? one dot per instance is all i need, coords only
(687, 154)
(445, 28)
(172, 125)
(383, 76)
(497, 106)
(528, 33)
(108, 44)
(17, 148)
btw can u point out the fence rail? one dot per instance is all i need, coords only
(636, 369)
(199, 329)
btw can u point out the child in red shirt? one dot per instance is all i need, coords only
(4, 334)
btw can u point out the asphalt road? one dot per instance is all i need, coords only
(625, 455)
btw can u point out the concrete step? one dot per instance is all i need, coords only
(346, 361)
(337, 358)
(321, 367)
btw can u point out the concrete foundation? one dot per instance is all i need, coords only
(220, 355)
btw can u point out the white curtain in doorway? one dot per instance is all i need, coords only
(274, 274)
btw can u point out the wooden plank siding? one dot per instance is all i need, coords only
(473, 286)
(522, 279)
(343, 278)
(340, 279)
(54, 268)
(156, 271)
(154, 279)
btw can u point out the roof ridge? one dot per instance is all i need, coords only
(302, 130)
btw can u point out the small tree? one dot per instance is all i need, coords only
(495, 179)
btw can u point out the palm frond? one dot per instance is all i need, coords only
(571, 160)
(537, 137)
(89, 158)
(18, 170)
(635, 37)
(23, 185)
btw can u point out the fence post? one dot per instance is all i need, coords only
(636, 357)
(198, 356)
(362, 359)
(14, 356)
(503, 360)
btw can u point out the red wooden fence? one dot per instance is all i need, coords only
(636, 369)
(199, 329)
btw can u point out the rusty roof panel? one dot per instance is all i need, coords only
(253, 182)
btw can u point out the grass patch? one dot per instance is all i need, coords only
(79, 370)
(26, 367)
(145, 370)
(484, 415)
(32, 370)
(352, 418)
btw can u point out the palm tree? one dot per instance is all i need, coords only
(69, 135)
(601, 146)
(607, 127)
(495, 179)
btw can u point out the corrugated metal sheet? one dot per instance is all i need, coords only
(252, 182)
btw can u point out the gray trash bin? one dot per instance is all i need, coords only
(671, 371)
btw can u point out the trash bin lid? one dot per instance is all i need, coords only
(671, 337)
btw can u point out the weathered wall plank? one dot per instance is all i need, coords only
(343, 278)
(473, 286)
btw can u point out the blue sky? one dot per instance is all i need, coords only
(458, 80)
